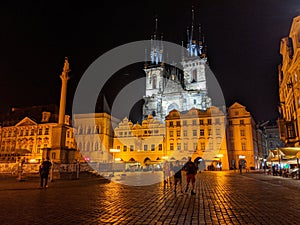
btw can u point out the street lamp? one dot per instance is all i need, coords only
(220, 156)
(200, 160)
(113, 151)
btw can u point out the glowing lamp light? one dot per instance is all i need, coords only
(242, 156)
(117, 159)
(32, 160)
(165, 157)
(220, 155)
(114, 150)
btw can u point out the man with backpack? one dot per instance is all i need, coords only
(44, 172)
(191, 171)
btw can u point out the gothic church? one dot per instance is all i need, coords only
(168, 87)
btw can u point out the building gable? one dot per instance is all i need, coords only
(26, 122)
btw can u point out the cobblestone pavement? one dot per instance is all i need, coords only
(222, 197)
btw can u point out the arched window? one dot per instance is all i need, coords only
(194, 79)
(154, 83)
(89, 130)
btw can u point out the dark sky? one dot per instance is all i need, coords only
(243, 39)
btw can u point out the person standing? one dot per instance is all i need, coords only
(177, 176)
(167, 173)
(191, 171)
(241, 168)
(44, 172)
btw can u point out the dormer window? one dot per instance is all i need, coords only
(45, 117)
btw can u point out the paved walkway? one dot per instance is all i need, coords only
(222, 198)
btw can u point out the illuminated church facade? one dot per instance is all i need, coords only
(170, 88)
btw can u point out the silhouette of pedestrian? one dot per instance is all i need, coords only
(191, 171)
(167, 173)
(44, 172)
(177, 176)
(241, 168)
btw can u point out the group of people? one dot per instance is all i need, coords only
(190, 169)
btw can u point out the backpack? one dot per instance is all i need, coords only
(190, 168)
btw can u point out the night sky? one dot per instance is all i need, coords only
(243, 38)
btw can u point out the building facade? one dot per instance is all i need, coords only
(94, 136)
(198, 134)
(242, 142)
(28, 137)
(194, 133)
(289, 86)
(142, 143)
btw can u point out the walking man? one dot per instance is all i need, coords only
(44, 172)
(191, 171)
(177, 176)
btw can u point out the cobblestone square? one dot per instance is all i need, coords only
(222, 197)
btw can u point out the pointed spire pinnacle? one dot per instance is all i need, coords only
(156, 52)
(156, 25)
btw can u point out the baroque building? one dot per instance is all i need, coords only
(195, 133)
(142, 143)
(200, 134)
(242, 140)
(168, 87)
(28, 132)
(289, 86)
(94, 136)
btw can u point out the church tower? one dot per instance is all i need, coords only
(154, 75)
(194, 65)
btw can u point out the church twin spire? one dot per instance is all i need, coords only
(157, 47)
(195, 44)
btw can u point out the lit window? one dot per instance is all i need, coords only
(185, 146)
(178, 146)
(195, 146)
(209, 121)
(209, 132)
(202, 132)
(243, 146)
(160, 147)
(202, 146)
(171, 146)
(171, 133)
(185, 133)
(194, 133)
(242, 133)
(152, 147)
